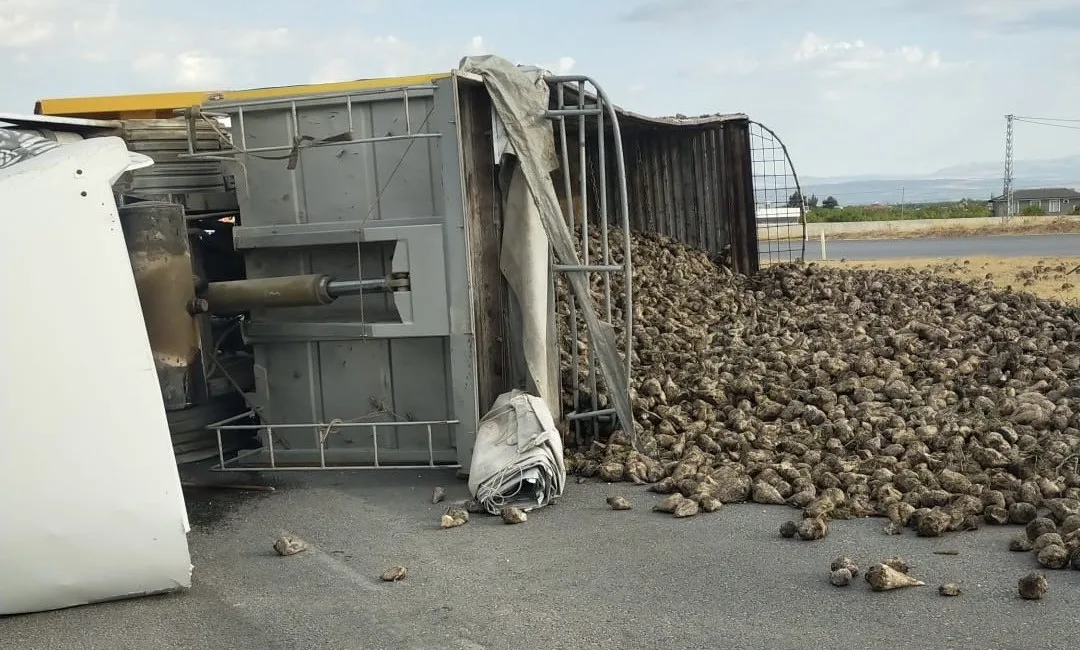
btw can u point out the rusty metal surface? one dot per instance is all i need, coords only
(157, 243)
(738, 208)
(257, 293)
(631, 119)
(484, 229)
(164, 141)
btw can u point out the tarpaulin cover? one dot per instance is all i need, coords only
(518, 456)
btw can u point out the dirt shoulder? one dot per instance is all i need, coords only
(1050, 277)
(1048, 227)
(924, 228)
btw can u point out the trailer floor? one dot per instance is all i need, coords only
(576, 575)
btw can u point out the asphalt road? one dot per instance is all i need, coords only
(576, 575)
(877, 249)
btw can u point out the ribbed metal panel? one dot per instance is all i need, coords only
(690, 179)
(381, 173)
(694, 184)
(164, 141)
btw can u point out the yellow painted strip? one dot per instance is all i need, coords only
(119, 106)
(342, 86)
(163, 105)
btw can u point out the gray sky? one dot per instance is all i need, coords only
(852, 86)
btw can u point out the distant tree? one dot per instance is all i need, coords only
(796, 200)
(829, 203)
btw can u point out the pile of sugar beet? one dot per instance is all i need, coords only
(938, 404)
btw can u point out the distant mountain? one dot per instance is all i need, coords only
(1068, 167)
(970, 180)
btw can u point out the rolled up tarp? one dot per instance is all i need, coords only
(518, 455)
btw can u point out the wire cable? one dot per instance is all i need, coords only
(1059, 126)
(1046, 119)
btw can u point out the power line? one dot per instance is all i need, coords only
(1048, 119)
(814, 191)
(1058, 126)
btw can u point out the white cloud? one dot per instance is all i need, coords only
(184, 70)
(20, 30)
(354, 55)
(836, 95)
(1010, 11)
(695, 12)
(476, 46)
(331, 70)
(837, 58)
(171, 53)
(180, 52)
(41, 23)
(739, 63)
(563, 66)
(36, 23)
(198, 70)
(149, 62)
(98, 24)
(1001, 16)
(261, 41)
(165, 53)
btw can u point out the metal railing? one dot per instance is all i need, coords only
(320, 433)
(593, 103)
(300, 141)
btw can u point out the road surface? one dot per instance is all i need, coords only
(955, 247)
(576, 575)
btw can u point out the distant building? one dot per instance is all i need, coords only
(770, 215)
(1052, 200)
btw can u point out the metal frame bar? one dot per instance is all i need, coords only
(464, 398)
(593, 104)
(334, 96)
(336, 143)
(321, 432)
(293, 103)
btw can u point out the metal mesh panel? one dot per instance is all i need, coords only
(780, 206)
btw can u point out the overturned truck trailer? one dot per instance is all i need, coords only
(383, 279)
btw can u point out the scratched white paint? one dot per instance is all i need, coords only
(90, 500)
